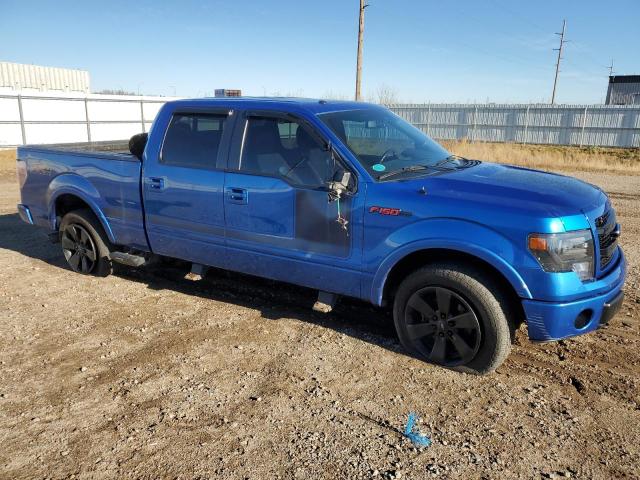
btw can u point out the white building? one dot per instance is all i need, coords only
(20, 78)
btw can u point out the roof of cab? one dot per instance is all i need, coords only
(313, 105)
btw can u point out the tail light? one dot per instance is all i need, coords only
(21, 169)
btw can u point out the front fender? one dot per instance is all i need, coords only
(452, 234)
(73, 184)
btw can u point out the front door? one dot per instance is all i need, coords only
(280, 221)
(183, 188)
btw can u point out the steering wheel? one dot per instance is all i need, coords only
(390, 153)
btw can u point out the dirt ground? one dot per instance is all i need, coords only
(149, 374)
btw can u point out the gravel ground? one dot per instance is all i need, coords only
(150, 374)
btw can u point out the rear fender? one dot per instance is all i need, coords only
(73, 184)
(462, 236)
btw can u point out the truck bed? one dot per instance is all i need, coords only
(103, 176)
(115, 150)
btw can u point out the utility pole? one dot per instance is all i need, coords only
(610, 67)
(555, 80)
(360, 39)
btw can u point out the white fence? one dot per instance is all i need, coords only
(601, 125)
(68, 119)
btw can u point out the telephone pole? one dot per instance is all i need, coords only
(360, 39)
(610, 67)
(555, 80)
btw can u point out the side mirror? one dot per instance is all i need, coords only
(137, 144)
(339, 184)
(341, 179)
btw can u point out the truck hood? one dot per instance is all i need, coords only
(510, 187)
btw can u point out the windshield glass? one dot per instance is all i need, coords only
(385, 143)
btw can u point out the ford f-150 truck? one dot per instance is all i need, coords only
(349, 199)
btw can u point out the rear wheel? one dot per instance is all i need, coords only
(84, 243)
(453, 315)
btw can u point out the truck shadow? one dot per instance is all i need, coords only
(275, 300)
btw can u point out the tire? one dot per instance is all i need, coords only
(454, 315)
(85, 246)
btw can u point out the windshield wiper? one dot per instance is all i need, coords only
(449, 159)
(410, 168)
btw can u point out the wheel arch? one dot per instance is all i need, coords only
(510, 282)
(73, 193)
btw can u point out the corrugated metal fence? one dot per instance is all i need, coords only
(60, 119)
(70, 119)
(601, 125)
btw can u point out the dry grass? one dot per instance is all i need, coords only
(552, 157)
(8, 159)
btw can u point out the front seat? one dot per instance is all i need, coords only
(311, 165)
(264, 151)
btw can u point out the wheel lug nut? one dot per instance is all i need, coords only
(441, 334)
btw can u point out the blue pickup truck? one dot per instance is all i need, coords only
(349, 199)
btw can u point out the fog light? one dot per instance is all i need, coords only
(583, 319)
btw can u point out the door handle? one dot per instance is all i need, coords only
(238, 195)
(157, 183)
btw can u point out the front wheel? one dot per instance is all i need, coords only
(84, 244)
(452, 314)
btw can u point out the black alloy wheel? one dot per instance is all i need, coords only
(442, 326)
(78, 248)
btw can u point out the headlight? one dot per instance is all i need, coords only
(564, 252)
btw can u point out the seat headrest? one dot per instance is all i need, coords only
(304, 140)
(263, 136)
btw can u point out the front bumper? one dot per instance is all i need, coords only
(547, 321)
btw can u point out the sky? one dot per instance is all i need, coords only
(422, 50)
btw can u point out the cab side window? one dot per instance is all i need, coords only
(285, 148)
(193, 140)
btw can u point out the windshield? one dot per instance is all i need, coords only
(384, 143)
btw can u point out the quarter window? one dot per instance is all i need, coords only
(193, 140)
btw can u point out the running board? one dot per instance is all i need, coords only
(198, 271)
(127, 259)
(325, 303)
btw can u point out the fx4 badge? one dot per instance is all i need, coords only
(394, 212)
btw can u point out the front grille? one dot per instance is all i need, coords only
(607, 237)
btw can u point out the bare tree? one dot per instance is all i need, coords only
(331, 95)
(118, 91)
(386, 95)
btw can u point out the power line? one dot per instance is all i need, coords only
(555, 80)
(481, 24)
(585, 55)
(519, 16)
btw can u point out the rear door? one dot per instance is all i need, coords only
(183, 187)
(280, 222)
